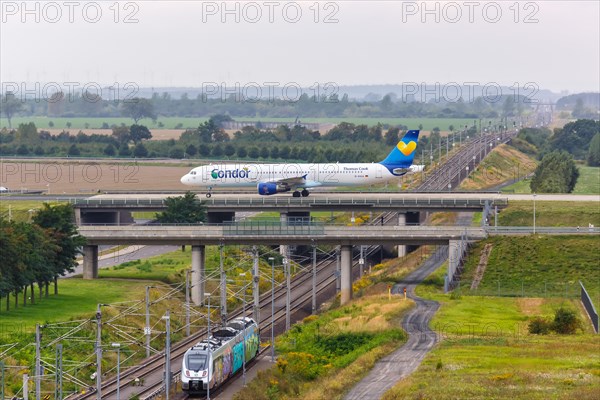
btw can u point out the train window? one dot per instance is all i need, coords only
(196, 362)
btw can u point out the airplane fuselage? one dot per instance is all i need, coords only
(326, 174)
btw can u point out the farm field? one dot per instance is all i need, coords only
(67, 177)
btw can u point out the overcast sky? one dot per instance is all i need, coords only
(186, 43)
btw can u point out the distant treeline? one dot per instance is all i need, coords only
(305, 106)
(345, 142)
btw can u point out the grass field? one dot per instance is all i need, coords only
(19, 210)
(186, 122)
(486, 352)
(550, 213)
(76, 298)
(587, 183)
(537, 266)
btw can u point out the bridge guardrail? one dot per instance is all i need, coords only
(554, 230)
(291, 201)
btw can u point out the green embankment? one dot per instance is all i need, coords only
(550, 213)
(503, 164)
(536, 266)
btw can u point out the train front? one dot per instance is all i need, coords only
(195, 371)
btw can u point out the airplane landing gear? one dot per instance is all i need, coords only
(305, 193)
(296, 194)
(209, 193)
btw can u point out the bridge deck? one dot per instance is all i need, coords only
(276, 234)
(315, 202)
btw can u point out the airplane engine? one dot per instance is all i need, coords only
(270, 188)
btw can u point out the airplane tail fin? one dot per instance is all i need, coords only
(403, 154)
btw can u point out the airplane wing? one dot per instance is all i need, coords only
(292, 182)
(273, 186)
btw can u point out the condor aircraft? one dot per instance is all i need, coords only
(299, 178)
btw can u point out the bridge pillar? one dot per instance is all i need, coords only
(453, 258)
(401, 222)
(283, 219)
(77, 216)
(90, 262)
(346, 261)
(198, 274)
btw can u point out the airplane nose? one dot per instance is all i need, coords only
(184, 179)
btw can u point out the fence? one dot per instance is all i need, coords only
(521, 288)
(589, 306)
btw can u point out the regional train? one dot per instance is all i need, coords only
(211, 362)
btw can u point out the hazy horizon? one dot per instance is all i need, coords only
(185, 43)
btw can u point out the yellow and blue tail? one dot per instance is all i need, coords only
(403, 154)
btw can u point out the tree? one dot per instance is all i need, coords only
(253, 152)
(183, 209)
(58, 222)
(176, 152)
(219, 119)
(264, 152)
(217, 151)
(110, 150)
(121, 133)
(391, 136)
(241, 152)
(191, 150)
(27, 133)
(274, 152)
(229, 150)
(557, 173)
(204, 150)
(593, 158)
(124, 150)
(138, 108)
(74, 150)
(10, 105)
(137, 133)
(140, 151)
(575, 137)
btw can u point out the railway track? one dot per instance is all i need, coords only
(449, 175)
(301, 294)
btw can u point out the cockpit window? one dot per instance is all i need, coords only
(196, 362)
(193, 173)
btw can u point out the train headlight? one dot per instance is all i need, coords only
(203, 373)
(187, 373)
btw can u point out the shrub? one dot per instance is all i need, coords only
(539, 326)
(565, 322)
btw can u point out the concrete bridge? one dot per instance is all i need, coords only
(267, 233)
(116, 209)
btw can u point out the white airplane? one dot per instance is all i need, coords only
(277, 178)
